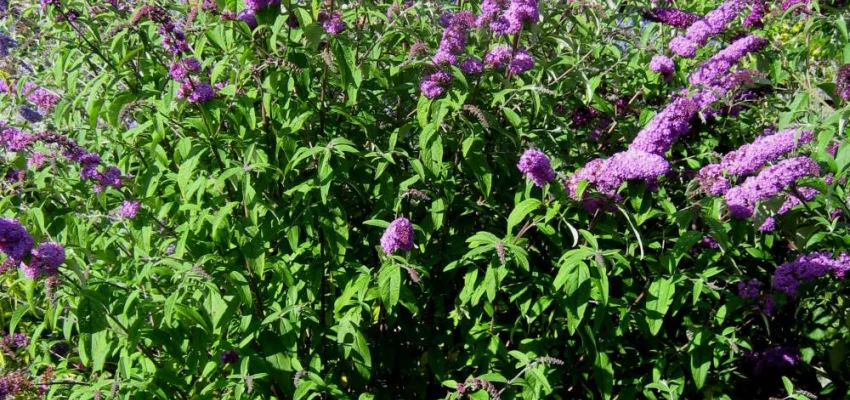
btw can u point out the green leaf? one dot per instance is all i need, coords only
(389, 284)
(603, 374)
(660, 298)
(521, 211)
(700, 359)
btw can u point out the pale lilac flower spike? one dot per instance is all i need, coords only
(536, 166)
(398, 236)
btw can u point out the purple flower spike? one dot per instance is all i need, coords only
(536, 166)
(771, 181)
(671, 16)
(398, 236)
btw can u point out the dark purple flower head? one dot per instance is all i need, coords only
(472, 66)
(29, 114)
(45, 260)
(776, 358)
(756, 15)
(15, 341)
(662, 65)
(15, 175)
(749, 289)
(446, 18)
(807, 267)
(498, 56)
(433, 85)
(750, 157)
(129, 209)
(230, 357)
(334, 25)
(842, 82)
(522, 61)
(249, 17)
(181, 69)
(195, 91)
(6, 43)
(15, 241)
(671, 16)
(536, 166)
(398, 236)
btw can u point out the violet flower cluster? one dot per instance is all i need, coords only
(15, 140)
(191, 88)
(173, 38)
(453, 42)
(507, 17)
(718, 66)
(712, 24)
(808, 267)
(749, 158)
(398, 236)
(666, 127)
(756, 15)
(17, 244)
(771, 181)
(537, 167)
(43, 99)
(663, 65)
(606, 175)
(671, 16)
(129, 209)
(332, 22)
(434, 84)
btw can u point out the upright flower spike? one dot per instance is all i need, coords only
(671, 16)
(537, 167)
(398, 236)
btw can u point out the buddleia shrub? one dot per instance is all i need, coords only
(504, 199)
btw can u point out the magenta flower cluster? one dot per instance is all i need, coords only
(808, 267)
(398, 236)
(536, 166)
(756, 15)
(41, 98)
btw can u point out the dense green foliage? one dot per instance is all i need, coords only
(253, 268)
